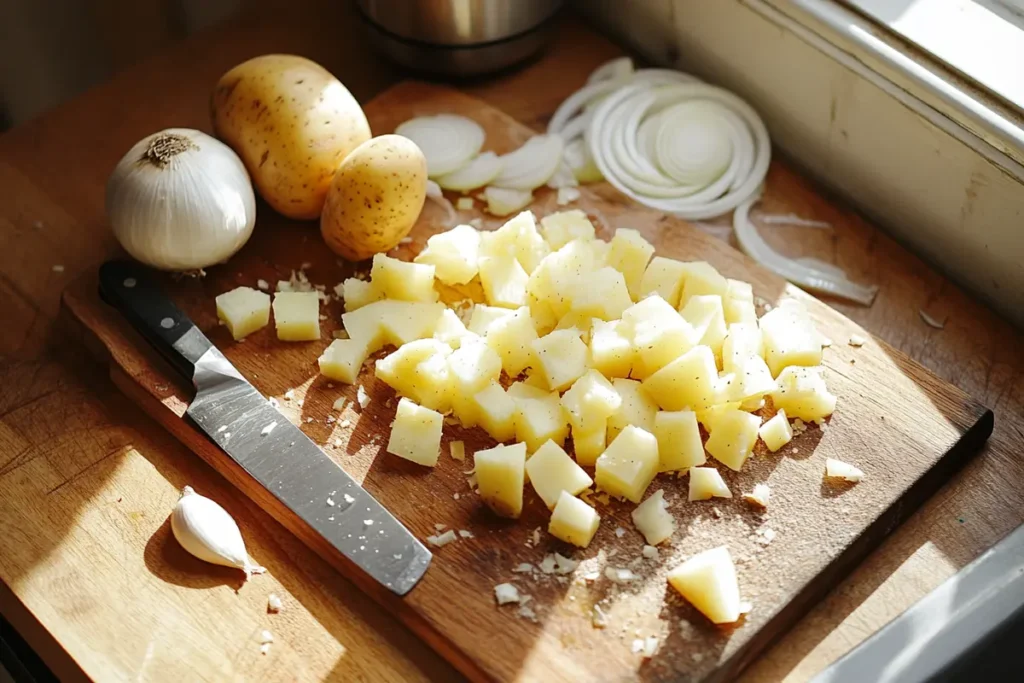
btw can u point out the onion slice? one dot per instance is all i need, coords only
(563, 177)
(435, 194)
(531, 165)
(611, 70)
(477, 173)
(503, 201)
(831, 281)
(448, 141)
(705, 152)
(581, 162)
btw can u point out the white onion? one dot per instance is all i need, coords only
(809, 273)
(563, 177)
(531, 165)
(448, 141)
(181, 200)
(686, 148)
(477, 173)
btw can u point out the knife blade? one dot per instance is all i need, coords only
(273, 451)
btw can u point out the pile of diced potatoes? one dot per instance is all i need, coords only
(602, 344)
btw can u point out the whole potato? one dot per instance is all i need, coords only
(375, 198)
(292, 123)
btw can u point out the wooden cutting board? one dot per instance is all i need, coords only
(905, 428)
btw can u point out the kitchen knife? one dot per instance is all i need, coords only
(273, 451)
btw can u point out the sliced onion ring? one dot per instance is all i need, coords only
(741, 148)
(577, 156)
(612, 69)
(803, 272)
(477, 173)
(503, 201)
(531, 165)
(448, 141)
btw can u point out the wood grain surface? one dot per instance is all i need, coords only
(908, 430)
(87, 480)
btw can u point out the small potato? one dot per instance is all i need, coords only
(375, 198)
(292, 123)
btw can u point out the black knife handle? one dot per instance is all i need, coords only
(130, 288)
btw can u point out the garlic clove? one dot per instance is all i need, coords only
(208, 532)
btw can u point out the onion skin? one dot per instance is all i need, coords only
(292, 123)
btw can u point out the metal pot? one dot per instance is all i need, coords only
(459, 37)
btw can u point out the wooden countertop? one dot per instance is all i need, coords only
(90, 574)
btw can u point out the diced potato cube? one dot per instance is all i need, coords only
(789, 338)
(343, 360)
(739, 290)
(494, 411)
(704, 313)
(707, 483)
(707, 417)
(244, 310)
(419, 370)
(589, 445)
(732, 438)
(457, 449)
(742, 341)
(503, 280)
(601, 294)
(544, 318)
(664, 276)
(776, 432)
(562, 357)
(629, 253)
(599, 252)
(500, 473)
(702, 278)
(802, 393)
(539, 419)
(636, 408)
(416, 433)
(660, 335)
(689, 381)
(453, 254)
(526, 390)
(565, 226)
(653, 520)
(708, 582)
(737, 311)
(628, 465)
(611, 348)
(472, 368)
(452, 331)
(535, 378)
(402, 280)
(579, 322)
(840, 470)
(363, 325)
(752, 381)
(483, 317)
(679, 443)
(359, 293)
(573, 521)
(519, 238)
(512, 336)
(297, 316)
(404, 321)
(590, 401)
(556, 276)
(553, 472)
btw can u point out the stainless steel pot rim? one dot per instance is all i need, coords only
(460, 46)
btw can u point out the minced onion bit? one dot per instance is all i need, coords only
(448, 141)
(810, 273)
